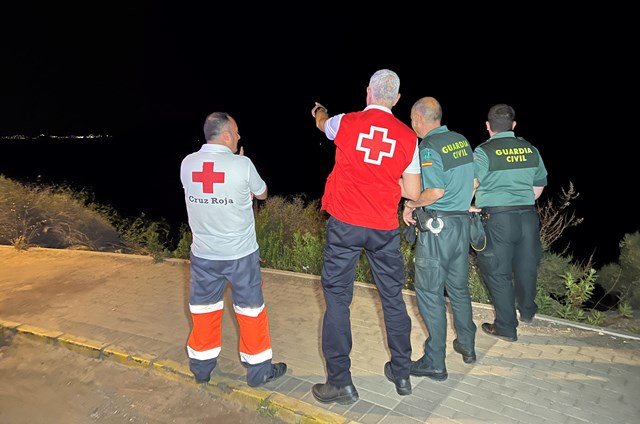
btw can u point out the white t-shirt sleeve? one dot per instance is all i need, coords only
(414, 166)
(256, 184)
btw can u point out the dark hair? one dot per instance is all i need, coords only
(215, 124)
(501, 117)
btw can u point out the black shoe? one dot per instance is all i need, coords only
(277, 370)
(467, 357)
(403, 385)
(490, 329)
(421, 370)
(327, 393)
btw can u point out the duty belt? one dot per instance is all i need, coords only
(435, 213)
(429, 219)
(498, 209)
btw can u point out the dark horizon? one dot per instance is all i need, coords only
(163, 200)
(149, 75)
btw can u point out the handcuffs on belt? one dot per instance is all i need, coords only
(426, 223)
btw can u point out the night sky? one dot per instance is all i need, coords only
(149, 75)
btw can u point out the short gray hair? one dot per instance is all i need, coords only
(385, 85)
(216, 124)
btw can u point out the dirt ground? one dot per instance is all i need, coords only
(42, 383)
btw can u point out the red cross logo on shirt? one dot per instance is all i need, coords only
(376, 145)
(207, 177)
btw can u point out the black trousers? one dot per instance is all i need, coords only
(509, 265)
(344, 244)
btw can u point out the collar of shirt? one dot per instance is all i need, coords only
(503, 134)
(438, 130)
(386, 109)
(215, 148)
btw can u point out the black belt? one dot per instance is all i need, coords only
(498, 209)
(432, 212)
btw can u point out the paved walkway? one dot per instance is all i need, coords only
(128, 309)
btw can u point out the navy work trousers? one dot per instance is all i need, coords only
(344, 244)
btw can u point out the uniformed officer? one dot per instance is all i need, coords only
(509, 177)
(442, 252)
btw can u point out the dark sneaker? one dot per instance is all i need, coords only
(467, 357)
(490, 329)
(328, 393)
(278, 370)
(423, 370)
(403, 385)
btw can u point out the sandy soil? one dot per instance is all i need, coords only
(41, 383)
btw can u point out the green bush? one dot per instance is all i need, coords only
(622, 279)
(477, 289)
(547, 305)
(629, 280)
(52, 216)
(290, 233)
(596, 318)
(183, 249)
(307, 252)
(551, 270)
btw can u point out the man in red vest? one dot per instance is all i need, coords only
(376, 164)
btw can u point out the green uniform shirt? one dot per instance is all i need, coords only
(507, 168)
(446, 161)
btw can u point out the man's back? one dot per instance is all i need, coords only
(507, 168)
(510, 176)
(376, 163)
(218, 186)
(450, 156)
(373, 149)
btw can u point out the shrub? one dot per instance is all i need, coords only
(307, 252)
(183, 249)
(547, 305)
(363, 270)
(550, 271)
(477, 288)
(596, 318)
(144, 237)
(52, 216)
(630, 266)
(622, 280)
(290, 233)
(555, 217)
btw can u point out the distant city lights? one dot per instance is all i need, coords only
(56, 137)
